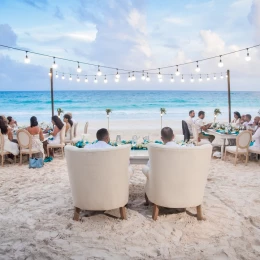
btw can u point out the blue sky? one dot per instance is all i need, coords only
(130, 34)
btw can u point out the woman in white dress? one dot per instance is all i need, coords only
(9, 146)
(237, 118)
(37, 135)
(68, 122)
(55, 133)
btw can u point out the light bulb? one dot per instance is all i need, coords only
(248, 58)
(197, 68)
(200, 79)
(226, 75)
(79, 68)
(177, 73)
(99, 73)
(117, 75)
(133, 76)
(220, 64)
(26, 60)
(56, 75)
(116, 80)
(105, 80)
(208, 78)
(63, 76)
(129, 77)
(192, 79)
(147, 78)
(78, 79)
(95, 80)
(54, 65)
(182, 79)
(50, 74)
(86, 80)
(70, 77)
(160, 80)
(215, 77)
(172, 79)
(159, 74)
(221, 76)
(143, 76)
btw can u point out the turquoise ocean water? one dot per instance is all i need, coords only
(141, 105)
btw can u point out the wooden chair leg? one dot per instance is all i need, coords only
(146, 200)
(48, 152)
(246, 158)
(15, 159)
(235, 159)
(199, 213)
(76, 214)
(122, 212)
(3, 160)
(62, 152)
(21, 158)
(155, 212)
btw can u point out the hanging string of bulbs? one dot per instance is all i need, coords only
(131, 73)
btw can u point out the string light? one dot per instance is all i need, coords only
(129, 77)
(182, 79)
(220, 64)
(172, 79)
(79, 68)
(226, 75)
(221, 76)
(208, 78)
(248, 58)
(50, 74)
(70, 77)
(117, 75)
(63, 76)
(99, 73)
(143, 76)
(54, 65)
(159, 74)
(57, 75)
(177, 73)
(160, 80)
(86, 79)
(215, 77)
(78, 79)
(105, 80)
(26, 60)
(133, 76)
(197, 68)
(192, 79)
(200, 79)
(147, 77)
(95, 80)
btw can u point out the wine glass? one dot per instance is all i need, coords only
(118, 140)
(134, 141)
(146, 139)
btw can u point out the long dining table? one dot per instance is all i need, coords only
(222, 136)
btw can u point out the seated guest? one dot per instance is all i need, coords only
(9, 146)
(243, 119)
(103, 140)
(248, 122)
(190, 121)
(256, 123)
(58, 125)
(202, 127)
(256, 136)
(73, 120)
(68, 122)
(11, 122)
(237, 118)
(37, 135)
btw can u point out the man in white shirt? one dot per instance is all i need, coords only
(103, 140)
(256, 136)
(190, 121)
(248, 122)
(202, 127)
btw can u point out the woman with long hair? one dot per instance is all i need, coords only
(68, 122)
(58, 125)
(237, 118)
(37, 135)
(9, 146)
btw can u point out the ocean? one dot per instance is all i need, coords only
(125, 105)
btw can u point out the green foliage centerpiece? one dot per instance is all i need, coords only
(163, 112)
(60, 111)
(216, 113)
(108, 111)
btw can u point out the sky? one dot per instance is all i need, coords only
(134, 35)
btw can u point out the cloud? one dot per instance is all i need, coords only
(7, 35)
(176, 20)
(39, 4)
(58, 14)
(254, 18)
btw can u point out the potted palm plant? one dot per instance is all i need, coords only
(59, 111)
(163, 112)
(108, 111)
(216, 113)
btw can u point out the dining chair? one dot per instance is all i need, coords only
(70, 140)
(196, 137)
(24, 139)
(60, 145)
(86, 128)
(2, 151)
(75, 129)
(242, 146)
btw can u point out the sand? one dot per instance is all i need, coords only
(36, 219)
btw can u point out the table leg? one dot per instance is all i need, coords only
(223, 149)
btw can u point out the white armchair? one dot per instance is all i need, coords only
(99, 178)
(177, 176)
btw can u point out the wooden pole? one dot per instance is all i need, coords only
(52, 99)
(229, 96)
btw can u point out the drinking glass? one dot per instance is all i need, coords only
(118, 139)
(134, 141)
(146, 139)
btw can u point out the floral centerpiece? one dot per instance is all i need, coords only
(216, 113)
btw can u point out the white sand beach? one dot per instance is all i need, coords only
(37, 209)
